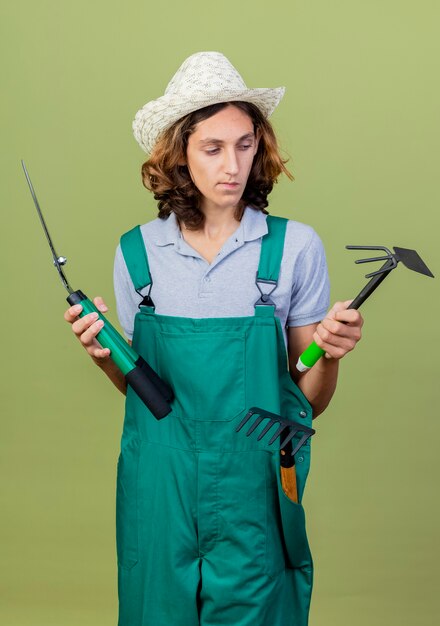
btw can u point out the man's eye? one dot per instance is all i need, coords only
(245, 146)
(212, 151)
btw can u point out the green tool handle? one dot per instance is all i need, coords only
(313, 353)
(152, 390)
(309, 357)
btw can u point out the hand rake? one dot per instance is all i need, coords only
(286, 430)
(286, 426)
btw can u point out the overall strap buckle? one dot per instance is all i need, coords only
(136, 260)
(271, 253)
(147, 300)
(265, 298)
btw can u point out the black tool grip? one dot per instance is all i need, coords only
(153, 391)
(164, 389)
(147, 392)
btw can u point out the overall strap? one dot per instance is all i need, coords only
(271, 254)
(136, 259)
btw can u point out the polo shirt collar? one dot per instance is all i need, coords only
(253, 225)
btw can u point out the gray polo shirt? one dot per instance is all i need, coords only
(186, 285)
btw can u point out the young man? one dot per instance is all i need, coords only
(206, 533)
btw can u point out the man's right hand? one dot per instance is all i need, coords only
(86, 328)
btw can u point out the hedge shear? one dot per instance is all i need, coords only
(150, 388)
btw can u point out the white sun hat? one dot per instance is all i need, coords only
(203, 79)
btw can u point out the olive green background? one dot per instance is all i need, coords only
(360, 123)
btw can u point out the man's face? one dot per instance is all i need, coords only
(219, 156)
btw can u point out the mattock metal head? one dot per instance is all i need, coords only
(410, 258)
(291, 427)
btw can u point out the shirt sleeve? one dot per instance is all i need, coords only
(127, 299)
(310, 296)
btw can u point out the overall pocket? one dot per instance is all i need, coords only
(293, 526)
(127, 505)
(207, 373)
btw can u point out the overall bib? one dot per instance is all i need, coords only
(205, 533)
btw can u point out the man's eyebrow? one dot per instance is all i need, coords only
(219, 141)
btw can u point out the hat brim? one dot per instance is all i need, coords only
(158, 115)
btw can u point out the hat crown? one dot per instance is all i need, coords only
(203, 79)
(205, 73)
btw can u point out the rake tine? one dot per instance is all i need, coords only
(300, 443)
(245, 419)
(392, 263)
(266, 429)
(292, 433)
(277, 434)
(369, 248)
(257, 422)
(372, 259)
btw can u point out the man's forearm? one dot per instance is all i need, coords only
(319, 384)
(114, 373)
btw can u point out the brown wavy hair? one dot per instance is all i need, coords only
(171, 184)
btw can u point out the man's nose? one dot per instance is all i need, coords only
(231, 162)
